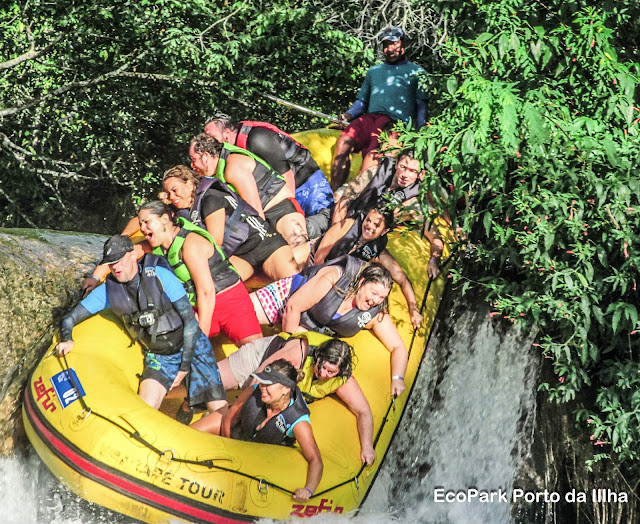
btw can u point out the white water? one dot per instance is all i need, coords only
(467, 426)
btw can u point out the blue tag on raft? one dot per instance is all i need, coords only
(64, 387)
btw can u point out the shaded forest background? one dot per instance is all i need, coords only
(534, 120)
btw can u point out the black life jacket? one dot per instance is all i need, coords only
(320, 316)
(268, 181)
(145, 309)
(297, 156)
(274, 431)
(377, 192)
(238, 223)
(368, 251)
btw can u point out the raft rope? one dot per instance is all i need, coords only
(209, 464)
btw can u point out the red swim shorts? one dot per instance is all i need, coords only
(234, 314)
(365, 131)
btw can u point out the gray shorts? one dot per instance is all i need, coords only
(248, 358)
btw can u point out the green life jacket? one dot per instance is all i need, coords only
(268, 181)
(223, 273)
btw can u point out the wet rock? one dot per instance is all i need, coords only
(40, 275)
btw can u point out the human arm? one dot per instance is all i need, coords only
(77, 315)
(421, 113)
(305, 297)
(352, 191)
(93, 303)
(196, 252)
(190, 333)
(304, 436)
(232, 416)
(433, 268)
(214, 224)
(101, 271)
(239, 173)
(400, 277)
(351, 394)
(328, 240)
(356, 109)
(386, 332)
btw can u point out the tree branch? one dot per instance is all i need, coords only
(17, 208)
(168, 78)
(30, 55)
(68, 87)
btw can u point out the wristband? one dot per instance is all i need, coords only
(310, 492)
(397, 377)
(97, 279)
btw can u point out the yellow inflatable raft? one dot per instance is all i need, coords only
(110, 448)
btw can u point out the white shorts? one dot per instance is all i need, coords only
(248, 358)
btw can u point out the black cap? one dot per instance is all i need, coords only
(392, 34)
(115, 248)
(271, 376)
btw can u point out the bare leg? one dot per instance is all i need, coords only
(152, 392)
(341, 161)
(244, 268)
(217, 406)
(248, 339)
(177, 392)
(293, 228)
(228, 380)
(262, 317)
(282, 263)
(209, 423)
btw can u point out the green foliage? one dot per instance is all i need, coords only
(536, 124)
(97, 99)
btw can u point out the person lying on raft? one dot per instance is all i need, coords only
(173, 343)
(365, 237)
(257, 416)
(250, 243)
(213, 285)
(254, 180)
(327, 365)
(340, 297)
(284, 154)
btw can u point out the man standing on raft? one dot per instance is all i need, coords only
(390, 91)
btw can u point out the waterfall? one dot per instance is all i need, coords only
(32, 495)
(468, 424)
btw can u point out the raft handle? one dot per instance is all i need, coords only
(164, 454)
(86, 410)
(266, 485)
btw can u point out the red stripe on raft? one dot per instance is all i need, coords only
(124, 484)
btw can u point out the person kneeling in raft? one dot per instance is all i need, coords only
(340, 297)
(327, 364)
(254, 414)
(173, 343)
(212, 283)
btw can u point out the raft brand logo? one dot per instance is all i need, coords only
(65, 388)
(300, 510)
(43, 395)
